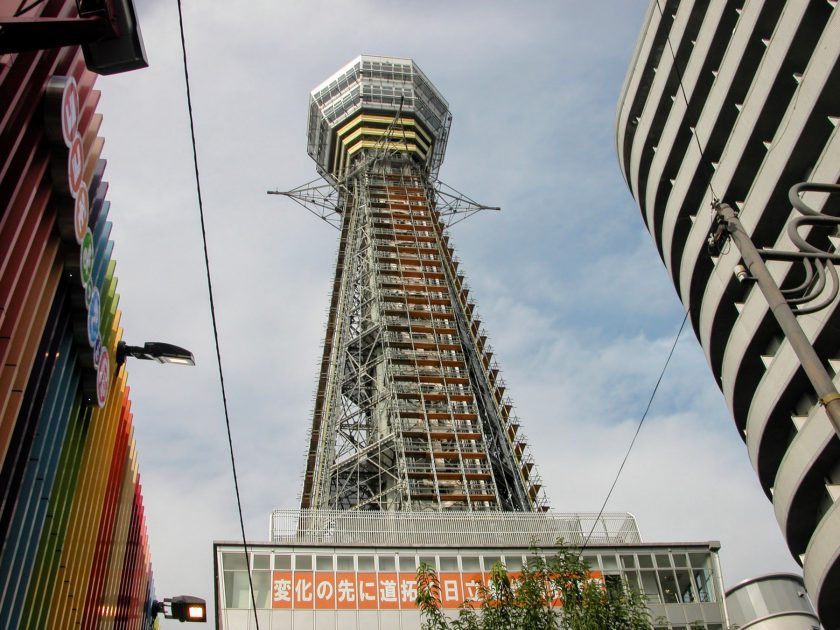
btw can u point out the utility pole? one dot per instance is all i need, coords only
(728, 221)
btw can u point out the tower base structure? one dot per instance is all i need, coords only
(339, 570)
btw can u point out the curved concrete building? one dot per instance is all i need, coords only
(771, 602)
(739, 101)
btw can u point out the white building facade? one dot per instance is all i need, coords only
(339, 570)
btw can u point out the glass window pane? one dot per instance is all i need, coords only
(645, 561)
(235, 560)
(262, 561)
(323, 563)
(684, 586)
(669, 586)
(613, 584)
(262, 588)
(386, 563)
(628, 562)
(489, 561)
(344, 563)
(470, 563)
(366, 563)
(679, 560)
(609, 562)
(705, 587)
(408, 564)
(448, 563)
(237, 589)
(513, 563)
(650, 587)
(303, 563)
(632, 579)
(663, 560)
(228, 587)
(429, 560)
(283, 562)
(699, 560)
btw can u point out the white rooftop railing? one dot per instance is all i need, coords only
(450, 529)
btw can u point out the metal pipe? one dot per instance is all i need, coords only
(799, 342)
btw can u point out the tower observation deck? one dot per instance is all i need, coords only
(410, 412)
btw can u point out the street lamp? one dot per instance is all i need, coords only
(107, 31)
(183, 608)
(155, 351)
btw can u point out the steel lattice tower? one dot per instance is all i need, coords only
(410, 412)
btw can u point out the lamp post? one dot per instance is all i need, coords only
(155, 351)
(728, 224)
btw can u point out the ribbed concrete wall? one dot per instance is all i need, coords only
(770, 602)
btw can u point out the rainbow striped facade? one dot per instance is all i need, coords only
(74, 546)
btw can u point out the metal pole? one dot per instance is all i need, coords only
(814, 369)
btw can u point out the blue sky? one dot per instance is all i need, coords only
(577, 304)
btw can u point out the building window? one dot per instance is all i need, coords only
(262, 561)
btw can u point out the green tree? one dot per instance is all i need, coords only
(525, 602)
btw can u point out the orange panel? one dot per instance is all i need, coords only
(388, 587)
(367, 591)
(281, 589)
(304, 587)
(346, 591)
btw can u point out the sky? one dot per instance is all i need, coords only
(579, 308)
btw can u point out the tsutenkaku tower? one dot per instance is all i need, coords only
(410, 412)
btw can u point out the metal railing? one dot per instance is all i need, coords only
(450, 529)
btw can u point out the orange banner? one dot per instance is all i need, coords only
(369, 590)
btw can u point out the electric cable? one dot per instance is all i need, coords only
(213, 313)
(685, 100)
(635, 435)
(685, 317)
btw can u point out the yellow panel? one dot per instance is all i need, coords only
(394, 146)
(370, 144)
(397, 134)
(405, 122)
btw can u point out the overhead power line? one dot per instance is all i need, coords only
(636, 434)
(213, 312)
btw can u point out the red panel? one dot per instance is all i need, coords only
(25, 354)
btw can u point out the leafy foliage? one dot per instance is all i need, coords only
(524, 601)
